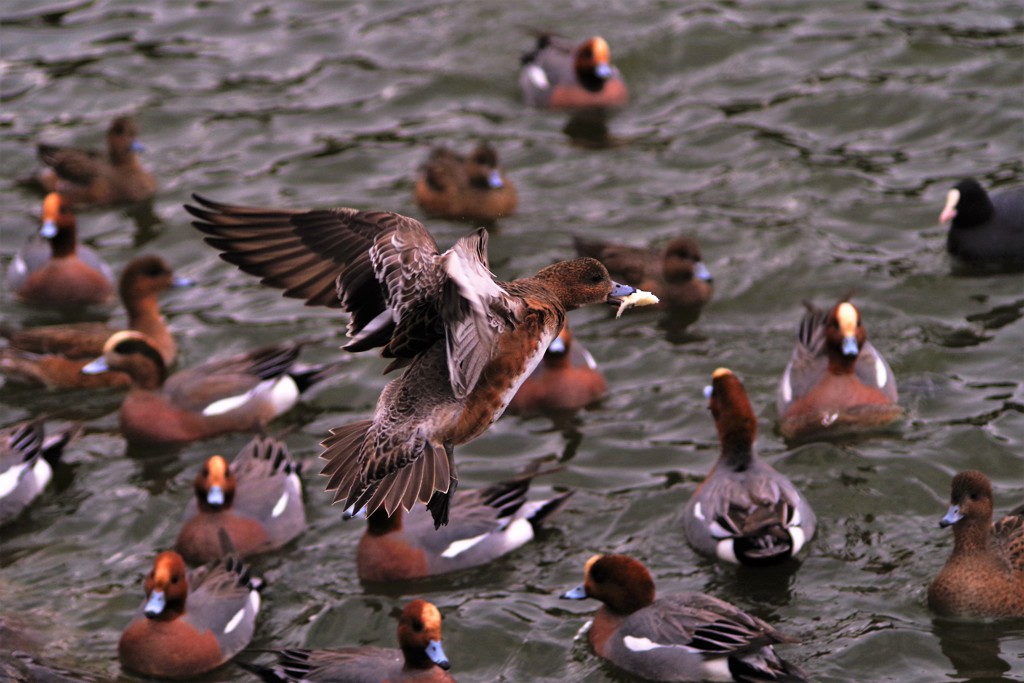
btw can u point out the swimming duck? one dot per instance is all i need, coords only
(985, 231)
(58, 273)
(420, 659)
(744, 512)
(193, 621)
(472, 188)
(54, 355)
(558, 74)
(566, 380)
(240, 393)
(679, 637)
(256, 501)
(836, 381)
(466, 340)
(676, 274)
(984, 575)
(90, 177)
(483, 525)
(26, 465)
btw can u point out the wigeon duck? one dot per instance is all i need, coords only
(26, 465)
(90, 177)
(256, 501)
(836, 381)
(984, 576)
(985, 231)
(466, 340)
(54, 355)
(675, 273)
(744, 512)
(679, 637)
(59, 273)
(421, 657)
(472, 188)
(566, 380)
(483, 525)
(241, 393)
(558, 74)
(193, 621)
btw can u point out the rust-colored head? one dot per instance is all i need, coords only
(215, 485)
(419, 635)
(622, 583)
(133, 353)
(166, 587)
(970, 500)
(731, 409)
(844, 333)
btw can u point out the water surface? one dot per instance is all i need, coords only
(807, 145)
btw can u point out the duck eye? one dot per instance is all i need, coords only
(174, 579)
(417, 625)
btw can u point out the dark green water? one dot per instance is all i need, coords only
(807, 145)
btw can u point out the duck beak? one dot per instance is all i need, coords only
(949, 211)
(619, 292)
(557, 346)
(577, 593)
(155, 605)
(952, 516)
(850, 347)
(137, 146)
(215, 496)
(603, 70)
(494, 180)
(96, 367)
(48, 230)
(701, 272)
(351, 513)
(436, 654)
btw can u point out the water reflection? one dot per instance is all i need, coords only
(973, 648)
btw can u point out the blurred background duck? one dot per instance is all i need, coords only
(94, 177)
(471, 188)
(55, 271)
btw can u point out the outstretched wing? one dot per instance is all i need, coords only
(381, 267)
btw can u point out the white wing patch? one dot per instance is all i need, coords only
(280, 506)
(9, 479)
(726, 551)
(698, 512)
(282, 392)
(40, 474)
(537, 77)
(798, 537)
(881, 374)
(235, 621)
(461, 546)
(646, 644)
(787, 387)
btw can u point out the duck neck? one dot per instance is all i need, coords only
(144, 314)
(63, 243)
(416, 658)
(379, 524)
(971, 535)
(557, 361)
(841, 364)
(148, 375)
(737, 451)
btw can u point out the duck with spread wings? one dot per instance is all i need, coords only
(466, 340)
